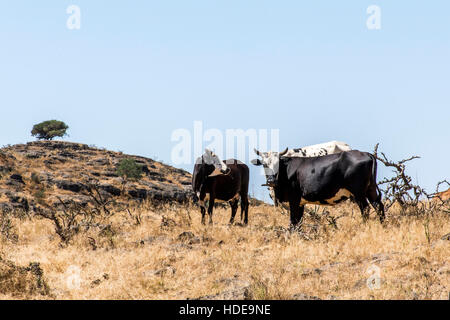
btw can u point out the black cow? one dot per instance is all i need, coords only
(223, 187)
(325, 180)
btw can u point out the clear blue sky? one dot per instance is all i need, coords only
(137, 70)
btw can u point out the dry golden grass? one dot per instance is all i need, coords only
(151, 261)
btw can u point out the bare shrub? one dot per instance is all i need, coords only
(7, 230)
(400, 189)
(22, 281)
(136, 217)
(70, 217)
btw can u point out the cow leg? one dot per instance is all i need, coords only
(301, 210)
(210, 209)
(380, 211)
(379, 208)
(242, 212)
(364, 207)
(296, 212)
(244, 208)
(203, 210)
(234, 206)
(374, 197)
(374, 194)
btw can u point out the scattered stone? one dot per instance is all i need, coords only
(95, 283)
(110, 189)
(138, 193)
(446, 237)
(237, 290)
(17, 177)
(70, 185)
(165, 271)
(189, 238)
(360, 284)
(302, 296)
(180, 247)
(110, 173)
(34, 154)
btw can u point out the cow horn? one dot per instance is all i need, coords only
(284, 152)
(257, 152)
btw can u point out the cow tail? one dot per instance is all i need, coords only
(374, 175)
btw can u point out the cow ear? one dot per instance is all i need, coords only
(256, 162)
(291, 171)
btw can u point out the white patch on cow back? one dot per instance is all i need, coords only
(319, 150)
(332, 201)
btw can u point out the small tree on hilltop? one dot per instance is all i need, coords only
(129, 170)
(48, 130)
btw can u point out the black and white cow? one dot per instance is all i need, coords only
(325, 180)
(316, 150)
(214, 180)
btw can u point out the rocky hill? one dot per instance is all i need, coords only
(53, 172)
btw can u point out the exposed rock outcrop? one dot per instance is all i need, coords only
(53, 171)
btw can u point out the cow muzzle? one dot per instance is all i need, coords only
(271, 182)
(271, 185)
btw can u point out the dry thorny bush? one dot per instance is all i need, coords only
(70, 217)
(413, 199)
(7, 230)
(22, 281)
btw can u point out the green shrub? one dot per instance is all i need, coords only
(128, 170)
(48, 130)
(39, 196)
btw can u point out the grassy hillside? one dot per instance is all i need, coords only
(51, 172)
(145, 241)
